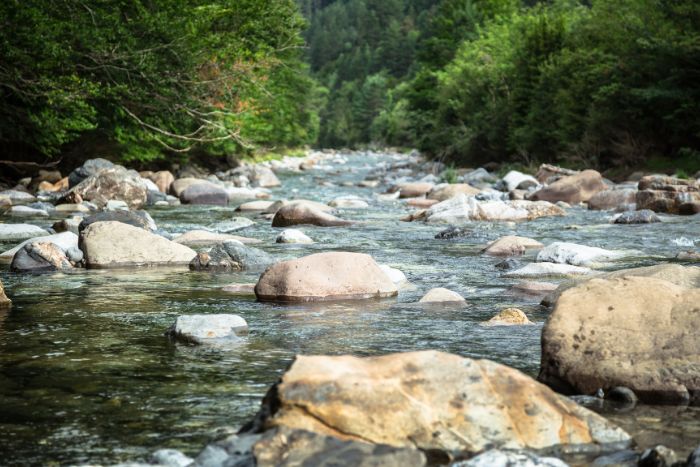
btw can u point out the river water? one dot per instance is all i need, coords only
(87, 376)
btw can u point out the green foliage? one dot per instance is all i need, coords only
(154, 77)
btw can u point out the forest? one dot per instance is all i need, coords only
(599, 83)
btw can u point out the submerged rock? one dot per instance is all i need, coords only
(325, 276)
(115, 244)
(632, 332)
(511, 245)
(644, 216)
(299, 213)
(441, 295)
(198, 329)
(293, 236)
(200, 238)
(231, 255)
(453, 232)
(577, 255)
(437, 402)
(509, 316)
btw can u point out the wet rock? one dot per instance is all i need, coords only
(394, 275)
(509, 316)
(74, 254)
(515, 179)
(19, 232)
(252, 206)
(115, 183)
(89, 167)
(115, 244)
(645, 216)
(666, 194)
(441, 295)
(63, 240)
(140, 219)
(450, 190)
(231, 255)
(689, 209)
(17, 196)
(508, 264)
(433, 401)
(300, 212)
(510, 458)
(349, 202)
(658, 456)
(572, 189)
(40, 256)
(533, 288)
(453, 232)
(413, 190)
(4, 301)
(163, 180)
(198, 329)
(26, 211)
(293, 236)
(325, 276)
(621, 394)
(548, 269)
(630, 332)
(461, 209)
(204, 193)
(239, 289)
(612, 199)
(577, 255)
(511, 245)
(626, 458)
(181, 184)
(201, 238)
(694, 458)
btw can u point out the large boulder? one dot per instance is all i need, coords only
(4, 301)
(115, 183)
(620, 199)
(115, 244)
(89, 167)
(462, 208)
(434, 401)
(450, 190)
(668, 194)
(40, 256)
(19, 232)
(301, 212)
(572, 189)
(63, 240)
(635, 332)
(231, 255)
(206, 193)
(511, 245)
(325, 276)
(140, 219)
(575, 254)
(200, 238)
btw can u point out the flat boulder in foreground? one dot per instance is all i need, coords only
(114, 244)
(635, 332)
(429, 400)
(325, 276)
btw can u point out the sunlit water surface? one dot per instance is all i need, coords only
(86, 374)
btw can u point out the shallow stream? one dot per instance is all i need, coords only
(87, 376)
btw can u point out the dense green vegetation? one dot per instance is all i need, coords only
(601, 83)
(138, 79)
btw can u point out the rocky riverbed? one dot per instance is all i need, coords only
(155, 311)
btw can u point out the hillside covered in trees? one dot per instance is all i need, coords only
(587, 83)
